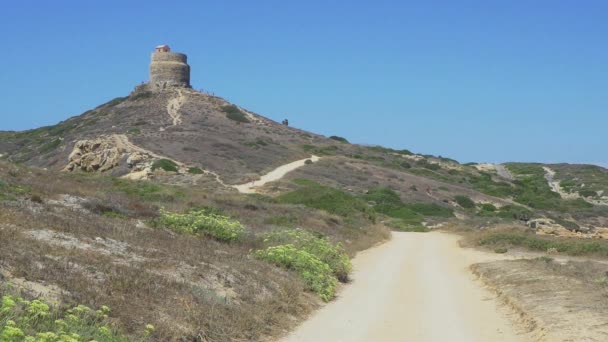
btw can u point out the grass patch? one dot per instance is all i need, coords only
(320, 150)
(147, 191)
(195, 171)
(165, 164)
(50, 146)
(282, 220)
(315, 195)
(528, 240)
(464, 201)
(235, 114)
(409, 215)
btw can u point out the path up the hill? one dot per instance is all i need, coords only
(417, 287)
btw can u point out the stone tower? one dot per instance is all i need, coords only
(169, 69)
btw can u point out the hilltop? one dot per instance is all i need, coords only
(144, 204)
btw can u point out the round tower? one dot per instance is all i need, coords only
(169, 69)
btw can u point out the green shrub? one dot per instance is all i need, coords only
(165, 164)
(464, 201)
(587, 193)
(36, 321)
(235, 114)
(195, 171)
(316, 274)
(501, 250)
(322, 248)
(203, 222)
(340, 139)
(488, 207)
(134, 131)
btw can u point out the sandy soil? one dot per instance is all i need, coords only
(558, 301)
(417, 287)
(274, 175)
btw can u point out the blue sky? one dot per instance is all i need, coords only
(472, 80)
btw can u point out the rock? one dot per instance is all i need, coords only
(103, 154)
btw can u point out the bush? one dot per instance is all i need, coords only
(316, 274)
(24, 320)
(195, 171)
(332, 255)
(235, 114)
(588, 193)
(488, 207)
(165, 164)
(204, 222)
(340, 139)
(464, 201)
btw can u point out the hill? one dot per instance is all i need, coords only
(133, 205)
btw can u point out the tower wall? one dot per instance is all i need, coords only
(169, 69)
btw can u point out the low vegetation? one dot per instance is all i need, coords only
(333, 255)
(165, 164)
(340, 139)
(500, 239)
(465, 202)
(316, 274)
(203, 222)
(315, 195)
(234, 113)
(37, 321)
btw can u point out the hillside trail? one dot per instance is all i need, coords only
(274, 175)
(503, 172)
(173, 107)
(416, 287)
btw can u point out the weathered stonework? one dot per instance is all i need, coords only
(169, 69)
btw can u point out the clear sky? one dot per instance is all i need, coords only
(478, 80)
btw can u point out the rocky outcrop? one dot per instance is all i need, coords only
(545, 226)
(105, 153)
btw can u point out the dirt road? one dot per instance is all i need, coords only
(274, 175)
(417, 287)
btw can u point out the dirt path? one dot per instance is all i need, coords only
(274, 175)
(173, 107)
(417, 287)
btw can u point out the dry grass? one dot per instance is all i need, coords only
(96, 248)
